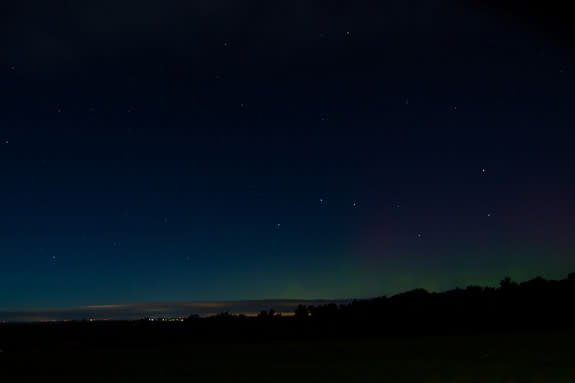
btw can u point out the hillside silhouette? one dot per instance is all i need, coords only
(537, 304)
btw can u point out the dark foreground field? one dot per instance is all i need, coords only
(510, 357)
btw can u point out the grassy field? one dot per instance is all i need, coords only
(520, 357)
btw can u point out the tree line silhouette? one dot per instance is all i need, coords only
(534, 304)
(537, 304)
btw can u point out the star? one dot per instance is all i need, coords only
(355, 204)
(419, 235)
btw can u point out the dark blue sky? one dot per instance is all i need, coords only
(216, 150)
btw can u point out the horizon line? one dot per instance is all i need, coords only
(132, 311)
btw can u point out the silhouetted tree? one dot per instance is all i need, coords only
(267, 314)
(507, 284)
(301, 311)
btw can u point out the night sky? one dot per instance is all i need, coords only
(218, 150)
